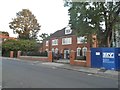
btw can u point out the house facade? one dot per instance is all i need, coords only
(65, 40)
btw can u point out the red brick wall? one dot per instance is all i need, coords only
(33, 58)
(49, 58)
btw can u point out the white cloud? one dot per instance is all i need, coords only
(51, 14)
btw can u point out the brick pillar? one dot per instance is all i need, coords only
(18, 54)
(88, 58)
(50, 59)
(72, 57)
(11, 54)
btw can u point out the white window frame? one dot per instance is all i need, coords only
(66, 41)
(54, 42)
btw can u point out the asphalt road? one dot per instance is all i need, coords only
(28, 74)
(0, 73)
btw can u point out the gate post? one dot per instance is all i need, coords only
(18, 54)
(72, 57)
(88, 58)
(50, 58)
(11, 54)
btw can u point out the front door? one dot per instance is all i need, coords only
(66, 54)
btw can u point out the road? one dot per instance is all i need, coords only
(30, 74)
(0, 73)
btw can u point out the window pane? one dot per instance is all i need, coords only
(84, 50)
(55, 42)
(67, 41)
(81, 39)
(78, 51)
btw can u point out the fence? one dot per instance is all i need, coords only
(49, 58)
(33, 53)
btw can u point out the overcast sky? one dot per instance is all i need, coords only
(51, 14)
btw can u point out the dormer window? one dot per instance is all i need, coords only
(68, 30)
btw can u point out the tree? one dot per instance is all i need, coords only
(25, 25)
(16, 45)
(90, 18)
(43, 36)
(28, 45)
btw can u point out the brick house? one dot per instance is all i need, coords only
(3, 37)
(65, 40)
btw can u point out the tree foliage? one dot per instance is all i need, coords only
(16, 45)
(25, 25)
(91, 17)
(43, 36)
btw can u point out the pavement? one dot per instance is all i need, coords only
(97, 71)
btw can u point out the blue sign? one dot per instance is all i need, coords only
(108, 57)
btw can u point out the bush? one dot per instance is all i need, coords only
(15, 54)
(22, 45)
(16, 45)
(6, 53)
(33, 53)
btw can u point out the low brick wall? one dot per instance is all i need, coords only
(49, 58)
(34, 58)
(83, 63)
(80, 63)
